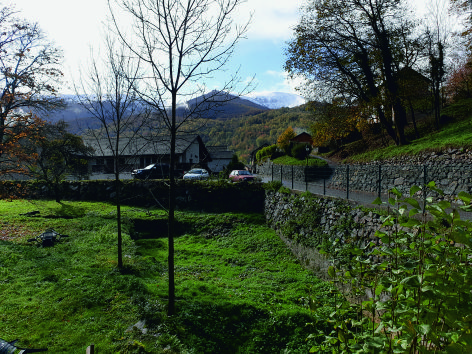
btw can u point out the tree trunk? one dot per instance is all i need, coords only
(118, 206)
(413, 119)
(118, 219)
(383, 120)
(170, 260)
(400, 122)
(57, 191)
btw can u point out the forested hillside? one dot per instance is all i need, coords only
(239, 124)
(245, 133)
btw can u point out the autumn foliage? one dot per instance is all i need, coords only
(459, 84)
(335, 121)
(29, 74)
(17, 134)
(283, 142)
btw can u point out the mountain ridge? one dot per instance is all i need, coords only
(236, 106)
(242, 125)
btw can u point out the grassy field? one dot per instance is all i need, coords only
(238, 288)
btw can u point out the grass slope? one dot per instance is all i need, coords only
(239, 289)
(455, 133)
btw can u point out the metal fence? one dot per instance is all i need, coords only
(366, 183)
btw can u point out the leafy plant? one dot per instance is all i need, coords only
(266, 152)
(414, 286)
(273, 186)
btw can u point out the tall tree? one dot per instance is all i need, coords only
(437, 40)
(29, 73)
(354, 49)
(463, 9)
(58, 154)
(183, 43)
(459, 83)
(108, 91)
(283, 141)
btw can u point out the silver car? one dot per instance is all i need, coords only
(197, 173)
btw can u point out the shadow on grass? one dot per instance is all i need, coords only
(69, 211)
(227, 327)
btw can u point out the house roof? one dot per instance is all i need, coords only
(220, 152)
(222, 155)
(158, 145)
(302, 138)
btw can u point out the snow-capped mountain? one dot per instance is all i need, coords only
(274, 100)
(255, 103)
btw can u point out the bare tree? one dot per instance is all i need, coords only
(438, 35)
(183, 44)
(110, 97)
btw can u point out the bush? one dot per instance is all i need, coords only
(299, 151)
(266, 152)
(273, 186)
(419, 283)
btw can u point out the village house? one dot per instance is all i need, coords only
(143, 151)
(220, 158)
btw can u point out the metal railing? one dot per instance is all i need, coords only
(366, 183)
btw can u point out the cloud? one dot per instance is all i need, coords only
(272, 19)
(282, 82)
(276, 73)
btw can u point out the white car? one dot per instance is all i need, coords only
(197, 173)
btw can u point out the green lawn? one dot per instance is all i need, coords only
(238, 288)
(289, 160)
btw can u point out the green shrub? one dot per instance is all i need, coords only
(266, 152)
(299, 151)
(419, 282)
(273, 186)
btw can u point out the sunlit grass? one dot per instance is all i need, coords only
(457, 135)
(289, 160)
(238, 287)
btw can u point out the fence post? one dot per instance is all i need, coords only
(347, 182)
(306, 179)
(380, 181)
(324, 186)
(424, 187)
(281, 176)
(272, 174)
(90, 349)
(292, 176)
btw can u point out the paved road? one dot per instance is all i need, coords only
(364, 198)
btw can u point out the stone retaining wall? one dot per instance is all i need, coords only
(308, 223)
(451, 170)
(218, 196)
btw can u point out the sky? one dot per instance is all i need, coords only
(76, 26)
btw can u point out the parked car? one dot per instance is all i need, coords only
(155, 171)
(197, 173)
(241, 176)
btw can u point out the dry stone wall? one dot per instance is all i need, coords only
(307, 223)
(217, 196)
(451, 170)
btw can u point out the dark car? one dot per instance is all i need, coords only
(241, 176)
(155, 171)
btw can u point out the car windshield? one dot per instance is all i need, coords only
(149, 167)
(195, 172)
(244, 173)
